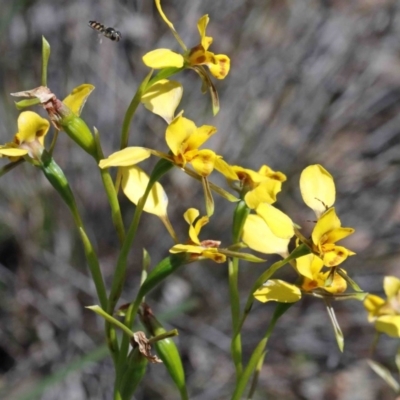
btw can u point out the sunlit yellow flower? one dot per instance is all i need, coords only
(219, 64)
(326, 233)
(312, 280)
(269, 231)
(317, 188)
(184, 140)
(196, 248)
(386, 314)
(258, 187)
(195, 58)
(29, 140)
(310, 269)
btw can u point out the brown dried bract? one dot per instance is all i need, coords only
(54, 107)
(139, 340)
(42, 93)
(209, 243)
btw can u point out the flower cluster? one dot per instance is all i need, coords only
(269, 230)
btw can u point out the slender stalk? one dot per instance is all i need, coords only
(8, 167)
(258, 352)
(239, 218)
(146, 83)
(132, 109)
(114, 204)
(236, 344)
(45, 60)
(56, 177)
(94, 267)
(256, 375)
(119, 276)
(110, 192)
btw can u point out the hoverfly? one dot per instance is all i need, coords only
(110, 33)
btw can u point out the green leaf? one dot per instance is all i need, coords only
(350, 281)
(397, 359)
(165, 268)
(335, 324)
(385, 374)
(26, 103)
(45, 59)
(98, 310)
(259, 351)
(132, 109)
(239, 218)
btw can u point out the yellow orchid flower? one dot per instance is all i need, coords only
(195, 58)
(309, 267)
(218, 64)
(184, 140)
(260, 186)
(385, 314)
(326, 233)
(196, 248)
(29, 140)
(317, 188)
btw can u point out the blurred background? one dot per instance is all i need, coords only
(310, 82)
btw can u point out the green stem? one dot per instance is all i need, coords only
(94, 268)
(256, 375)
(114, 204)
(56, 177)
(146, 83)
(45, 60)
(98, 310)
(164, 269)
(110, 192)
(132, 109)
(119, 276)
(236, 344)
(258, 352)
(240, 215)
(58, 180)
(8, 167)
